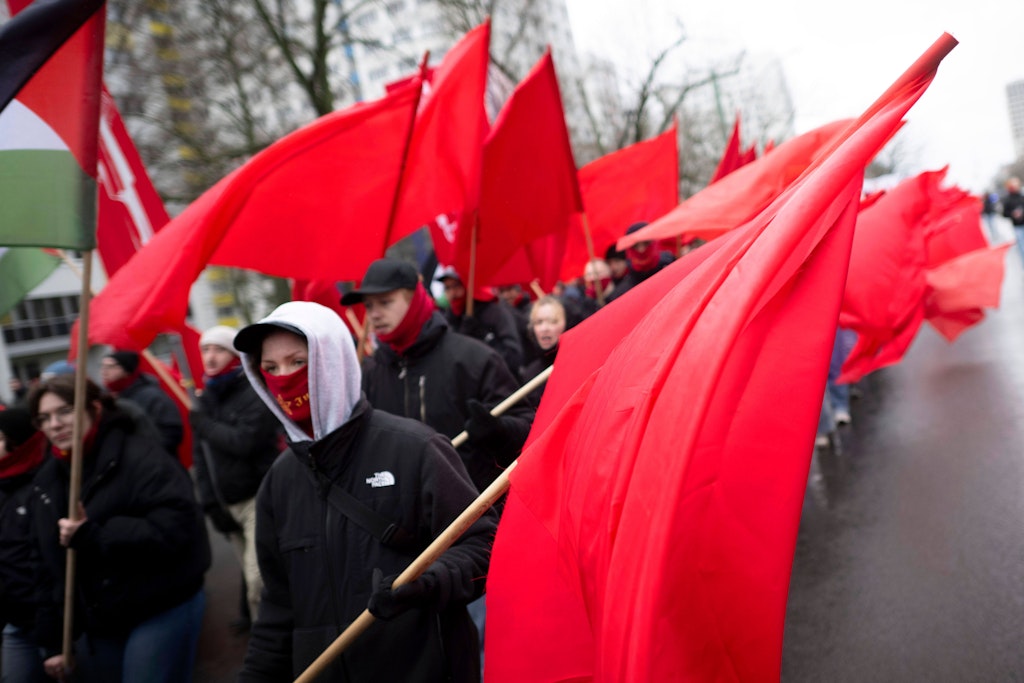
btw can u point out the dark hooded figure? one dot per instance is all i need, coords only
(355, 498)
(645, 260)
(120, 373)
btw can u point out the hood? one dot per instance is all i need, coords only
(334, 375)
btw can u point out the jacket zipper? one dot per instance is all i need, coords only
(423, 396)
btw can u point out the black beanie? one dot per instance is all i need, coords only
(129, 360)
(16, 424)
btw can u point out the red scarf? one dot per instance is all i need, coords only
(405, 332)
(23, 458)
(119, 385)
(292, 394)
(645, 261)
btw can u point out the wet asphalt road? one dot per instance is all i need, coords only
(910, 559)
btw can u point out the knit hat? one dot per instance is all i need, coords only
(129, 360)
(16, 424)
(220, 335)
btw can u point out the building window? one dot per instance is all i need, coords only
(35, 319)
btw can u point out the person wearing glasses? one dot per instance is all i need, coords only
(139, 538)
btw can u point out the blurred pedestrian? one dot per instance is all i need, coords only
(139, 540)
(122, 377)
(235, 441)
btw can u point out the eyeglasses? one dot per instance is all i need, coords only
(62, 414)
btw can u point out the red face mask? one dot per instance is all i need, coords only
(292, 393)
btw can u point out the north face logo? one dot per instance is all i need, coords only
(380, 479)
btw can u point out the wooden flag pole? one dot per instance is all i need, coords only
(77, 445)
(593, 260)
(476, 509)
(537, 290)
(158, 367)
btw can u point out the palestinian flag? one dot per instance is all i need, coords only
(51, 63)
(21, 270)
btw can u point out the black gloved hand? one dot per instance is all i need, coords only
(221, 519)
(482, 427)
(387, 603)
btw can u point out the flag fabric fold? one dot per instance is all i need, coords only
(21, 270)
(652, 518)
(732, 158)
(51, 63)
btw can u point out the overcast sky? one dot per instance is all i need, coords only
(838, 58)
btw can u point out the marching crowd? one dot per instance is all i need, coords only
(327, 473)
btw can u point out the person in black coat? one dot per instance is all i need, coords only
(120, 373)
(235, 440)
(645, 260)
(424, 371)
(355, 499)
(21, 455)
(492, 321)
(139, 539)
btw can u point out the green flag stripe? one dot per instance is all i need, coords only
(46, 200)
(21, 270)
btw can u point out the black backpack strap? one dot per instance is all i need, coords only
(387, 532)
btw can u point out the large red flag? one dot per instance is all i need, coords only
(960, 288)
(650, 528)
(636, 183)
(315, 204)
(742, 194)
(884, 298)
(529, 190)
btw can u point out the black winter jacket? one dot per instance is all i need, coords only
(232, 427)
(317, 565)
(433, 381)
(493, 323)
(19, 570)
(144, 547)
(145, 392)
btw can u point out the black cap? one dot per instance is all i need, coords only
(129, 360)
(250, 339)
(383, 275)
(636, 226)
(448, 273)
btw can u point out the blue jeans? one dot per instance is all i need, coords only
(839, 394)
(20, 661)
(161, 649)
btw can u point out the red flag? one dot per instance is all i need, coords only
(750, 155)
(961, 287)
(742, 194)
(528, 189)
(636, 183)
(315, 204)
(652, 520)
(442, 173)
(731, 157)
(885, 290)
(130, 210)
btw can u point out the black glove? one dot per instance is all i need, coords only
(221, 519)
(482, 427)
(387, 603)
